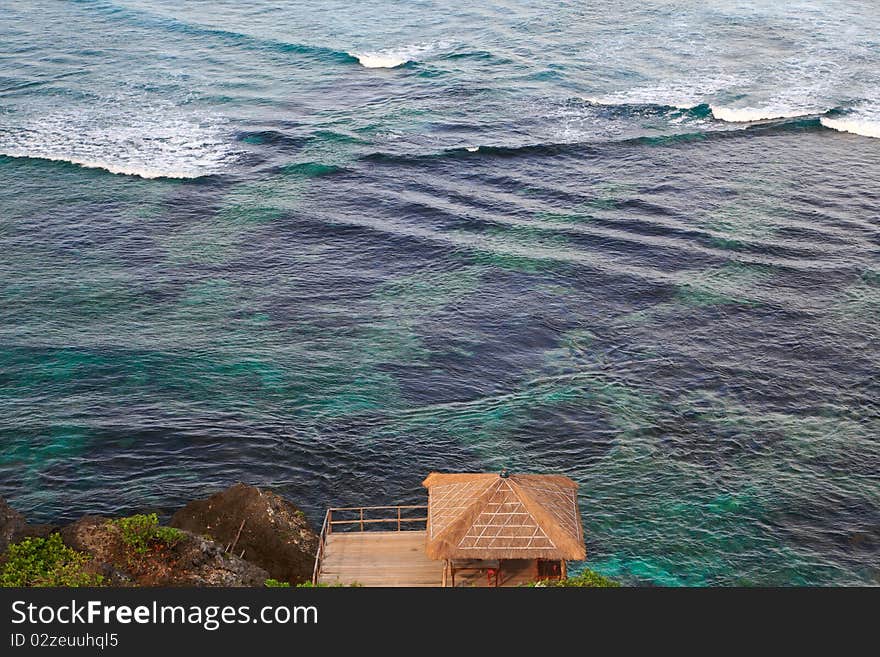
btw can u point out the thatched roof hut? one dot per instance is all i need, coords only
(491, 516)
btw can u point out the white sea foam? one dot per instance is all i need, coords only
(379, 60)
(393, 57)
(682, 94)
(472, 149)
(749, 114)
(864, 127)
(150, 141)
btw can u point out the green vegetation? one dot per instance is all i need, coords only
(139, 531)
(586, 579)
(45, 562)
(274, 583)
(168, 535)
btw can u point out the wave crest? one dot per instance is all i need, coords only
(863, 127)
(393, 57)
(751, 114)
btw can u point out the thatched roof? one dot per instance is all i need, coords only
(486, 516)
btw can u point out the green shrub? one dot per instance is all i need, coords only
(169, 535)
(274, 583)
(140, 530)
(587, 579)
(46, 562)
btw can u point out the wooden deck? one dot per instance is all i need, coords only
(378, 558)
(397, 558)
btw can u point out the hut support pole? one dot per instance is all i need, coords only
(563, 571)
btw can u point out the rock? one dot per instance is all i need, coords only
(275, 536)
(90, 534)
(192, 561)
(95, 536)
(202, 562)
(39, 531)
(12, 525)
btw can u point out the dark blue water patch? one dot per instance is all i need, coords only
(481, 55)
(351, 242)
(79, 230)
(174, 460)
(568, 436)
(743, 349)
(848, 526)
(278, 141)
(143, 18)
(354, 461)
(467, 370)
(684, 439)
(444, 377)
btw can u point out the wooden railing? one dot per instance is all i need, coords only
(363, 522)
(322, 539)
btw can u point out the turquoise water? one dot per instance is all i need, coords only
(329, 248)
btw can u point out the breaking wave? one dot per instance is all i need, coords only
(863, 127)
(864, 123)
(157, 142)
(393, 57)
(752, 114)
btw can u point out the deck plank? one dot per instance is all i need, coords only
(379, 558)
(390, 558)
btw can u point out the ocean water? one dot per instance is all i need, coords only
(329, 247)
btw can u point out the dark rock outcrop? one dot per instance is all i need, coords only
(191, 561)
(202, 562)
(93, 535)
(90, 534)
(239, 537)
(258, 525)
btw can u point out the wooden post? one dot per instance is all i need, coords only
(398, 518)
(329, 521)
(562, 569)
